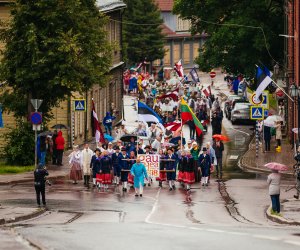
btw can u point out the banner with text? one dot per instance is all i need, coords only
(151, 163)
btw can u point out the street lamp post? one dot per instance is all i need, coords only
(295, 93)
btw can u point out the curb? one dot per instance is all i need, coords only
(23, 217)
(279, 219)
(27, 180)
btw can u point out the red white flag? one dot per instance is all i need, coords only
(173, 94)
(173, 126)
(98, 131)
(207, 91)
(179, 69)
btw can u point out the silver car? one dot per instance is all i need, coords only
(241, 111)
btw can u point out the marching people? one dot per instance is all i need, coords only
(40, 174)
(139, 172)
(181, 163)
(171, 167)
(75, 163)
(205, 164)
(195, 153)
(86, 155)
(116, 165)
(162, 167)
(104, 177)
(95, 165)
(188, 170)
(125, 168)
(213, 159)
(132, 160)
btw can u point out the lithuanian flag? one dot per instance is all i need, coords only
(188, 115)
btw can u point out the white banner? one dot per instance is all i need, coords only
(151, 163)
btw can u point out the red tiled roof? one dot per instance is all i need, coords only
(165, 5)
(172, 34)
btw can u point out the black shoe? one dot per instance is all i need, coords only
(202, 184)
(141, 195)
(296, 197)
(149, 184)
(160, 185)
(173, 186)
(136, 195)
(206, 184)
(125, 189)
(170, 189)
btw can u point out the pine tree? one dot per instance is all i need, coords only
(143, 38)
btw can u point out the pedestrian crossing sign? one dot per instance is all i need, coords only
(256, 113)
(79, 105)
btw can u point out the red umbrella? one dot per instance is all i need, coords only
(276, 166)
(221, 138)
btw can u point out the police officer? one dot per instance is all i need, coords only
(39, 183)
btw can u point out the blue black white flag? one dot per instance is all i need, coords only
(263, 80)
(194, 75)
(147, 114)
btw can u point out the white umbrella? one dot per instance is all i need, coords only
(295, 130)
(271, 120)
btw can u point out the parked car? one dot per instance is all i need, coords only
(229, 102)
(240, 111)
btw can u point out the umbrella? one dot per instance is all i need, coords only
(295, 130)
(271, 120)
(59, 126)
(46, 133)
(108, 137)
(221, 138)
(276, 166)
(127, 137)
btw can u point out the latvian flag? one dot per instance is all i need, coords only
(207, 91)
(173, 126)
(98, 131)
(173, 94)
(147, 114)
(179, 69)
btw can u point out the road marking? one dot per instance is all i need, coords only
(215, 230)
(297, 243)
(240, 131)
(265, 237)
(237, 233)
(233, 157)
(147, 220)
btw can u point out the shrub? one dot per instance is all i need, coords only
(19, 149)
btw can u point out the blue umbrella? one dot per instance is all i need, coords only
(108, 137)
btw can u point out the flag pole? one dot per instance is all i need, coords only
(280, 88)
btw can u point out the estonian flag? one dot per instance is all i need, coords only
(147, 114)
(263, 80)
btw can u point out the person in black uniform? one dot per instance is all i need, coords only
(39, 183)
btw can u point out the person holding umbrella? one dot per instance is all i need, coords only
(139, 172)
(274, 185)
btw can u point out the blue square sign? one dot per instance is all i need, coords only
(79, 105)
(256, 113)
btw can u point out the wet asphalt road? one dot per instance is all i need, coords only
(224, 215)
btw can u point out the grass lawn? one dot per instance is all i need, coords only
(7, 169)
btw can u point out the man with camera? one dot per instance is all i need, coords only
(40, 174)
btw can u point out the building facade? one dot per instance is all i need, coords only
(108, 98)
(179, 43)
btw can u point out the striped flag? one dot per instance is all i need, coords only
(179, 68)
(263, 80)
(98, 131)
(173, 126)
(207, 91)
(173, 94)
(188, 115)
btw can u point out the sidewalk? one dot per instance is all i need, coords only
(290, 207)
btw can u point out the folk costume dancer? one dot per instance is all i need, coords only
(171, 166)
(205, 163)
(188, 170)
(162, 167)
(105, 170)
(181, 163)
(195, 153)
(95, 165)
(124, 165)
(139, 172)
(76, 164)
(116, 165)
(86, 155)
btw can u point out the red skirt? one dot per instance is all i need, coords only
(189, 177)
(130, 179)
(103, 178)
(162, 176)
(181, 176)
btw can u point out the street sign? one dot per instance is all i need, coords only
(212, 74)
(79, 105)
(254, 101)
(265, 100)
(256, 113)
(266, 113)
(36, 103)
(36, 118)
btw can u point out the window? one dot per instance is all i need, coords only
(167, 57)
(186, 54)
(196, 50)
(176, 51)
(183, 25)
